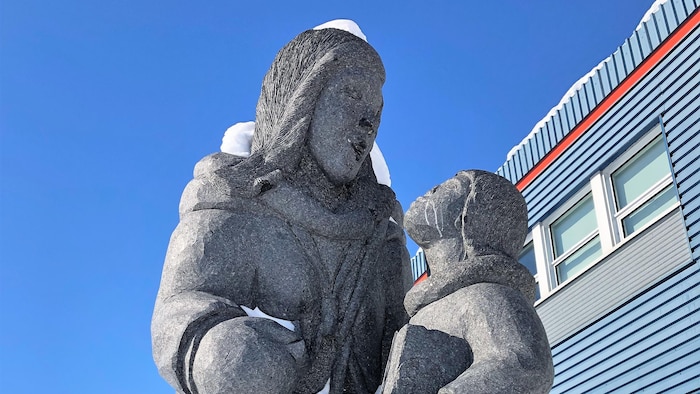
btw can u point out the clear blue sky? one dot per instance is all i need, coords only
(105, 106)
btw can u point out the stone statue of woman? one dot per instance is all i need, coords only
(300, 231)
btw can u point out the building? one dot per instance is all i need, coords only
(612, 181)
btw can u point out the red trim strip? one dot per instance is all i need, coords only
(608, 102)
(421, 278)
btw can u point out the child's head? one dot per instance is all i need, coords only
(483, 209)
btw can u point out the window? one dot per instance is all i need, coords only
(575, 240)
(642, 187)
(527, 258)
(617, 203)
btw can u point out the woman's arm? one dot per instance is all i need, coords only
(198, 330)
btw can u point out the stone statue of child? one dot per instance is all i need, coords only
(473, 328)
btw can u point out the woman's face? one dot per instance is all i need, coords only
(437, 214)
(345, 123)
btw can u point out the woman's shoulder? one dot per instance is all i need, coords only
(211, 163)
(211, 187)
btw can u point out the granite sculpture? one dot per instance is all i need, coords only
(300, 231)
(472, 328)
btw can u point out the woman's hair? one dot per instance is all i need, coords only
(288, 98)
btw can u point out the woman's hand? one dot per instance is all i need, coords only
(248, 355)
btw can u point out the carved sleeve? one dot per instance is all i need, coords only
(195, 294)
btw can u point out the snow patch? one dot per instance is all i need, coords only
(381, 169)
(258, 313)
(326, 389)
(654, 7)
(238, 139)
(343, 24)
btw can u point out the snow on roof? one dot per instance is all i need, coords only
(567, 96)
(577, 86)
(654, 7)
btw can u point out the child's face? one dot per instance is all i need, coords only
(437, 215)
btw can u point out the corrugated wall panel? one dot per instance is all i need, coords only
(627, 57)
(687, 378)
(683, 124)
(576, 106)
(594, 339)
(574, 360)
(683, 106)
(687, 125)
(597, 87)
(605, 78)
(672, 16)
(692, 204)
(652, 343)
(662, 22)
(686, 152)
(569, 369)
(686, 155)
(546, 141)
(651, 254)
(558, 126)
(684, 128)
(653, 32)
(633, 43)
(531, 152)
(648, 373)
(588, 101)
(644, 42)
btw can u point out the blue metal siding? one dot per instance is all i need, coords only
(682, 125)
(651, 344)
(418, 264)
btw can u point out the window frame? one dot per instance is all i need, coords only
(556, 261)
(552, 261)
